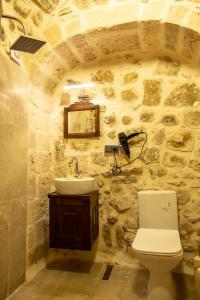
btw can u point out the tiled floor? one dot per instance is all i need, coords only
(83, 282)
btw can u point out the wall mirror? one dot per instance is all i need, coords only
(81, 120)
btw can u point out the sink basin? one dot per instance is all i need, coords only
(74, 186)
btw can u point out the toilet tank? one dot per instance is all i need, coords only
(158, 209)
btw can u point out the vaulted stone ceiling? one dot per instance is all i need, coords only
(88, 32)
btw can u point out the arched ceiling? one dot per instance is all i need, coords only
(83, 33)
(124, 42)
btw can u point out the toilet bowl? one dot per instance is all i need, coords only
(157, 243)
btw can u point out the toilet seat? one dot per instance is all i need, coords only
(162, 242)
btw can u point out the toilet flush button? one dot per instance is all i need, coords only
(166, 205)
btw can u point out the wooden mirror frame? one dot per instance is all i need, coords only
(81, 106)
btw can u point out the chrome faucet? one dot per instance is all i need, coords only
(77, 172)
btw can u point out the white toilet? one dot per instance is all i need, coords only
(157, 243)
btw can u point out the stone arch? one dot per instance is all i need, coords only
(128, 41)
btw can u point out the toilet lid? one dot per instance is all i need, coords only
(157, 241)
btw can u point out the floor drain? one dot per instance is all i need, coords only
(107, 272)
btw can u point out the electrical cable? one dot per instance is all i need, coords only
(116, 169)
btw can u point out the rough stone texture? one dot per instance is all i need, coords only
(110, 119)
(193, 217)
(130, 77)
(159, 137)
(89, 3)
(103, 76)
(37, 18)
(109, 92)
(107, 235)
(152, 155)
(169, 120)
(195, 164)
(128, 95)
(21, 7)
(120, 236)
(121, 204)
(149, 29)
(47, 5)
(38, 253)
(112, 134)
(184, 95)
(146, 116)
(171, 36)
(80, 145)
(82, 46)
(118, 40)
(186, 228)
(192, 41)
(126, 120)
(161, 172)
(158, 168)
(137, 170)
(99, 159)
(173, 160)
(152, 92)
(129, 237)
(168, 67)
(192, 119)
(190, 246)
(37, 235)
(181, 141)
(40, 162)
(183, 196)
(112, 218)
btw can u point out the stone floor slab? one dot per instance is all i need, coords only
(77, 281)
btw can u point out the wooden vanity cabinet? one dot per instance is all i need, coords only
(73, 220)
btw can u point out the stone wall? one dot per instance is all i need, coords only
(38, 157)
(39, 183)
(162, 97)
(76, 36)
(13, 176)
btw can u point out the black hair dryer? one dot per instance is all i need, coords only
(123, 140)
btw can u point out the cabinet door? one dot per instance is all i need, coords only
(71, 226)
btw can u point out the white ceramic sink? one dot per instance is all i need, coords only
(73, 185)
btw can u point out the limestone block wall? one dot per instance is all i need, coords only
(13, 176)
(39, 183)
(88, 33)
(162, 97)
(40, 176)
(38, 157)
(83, 32)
